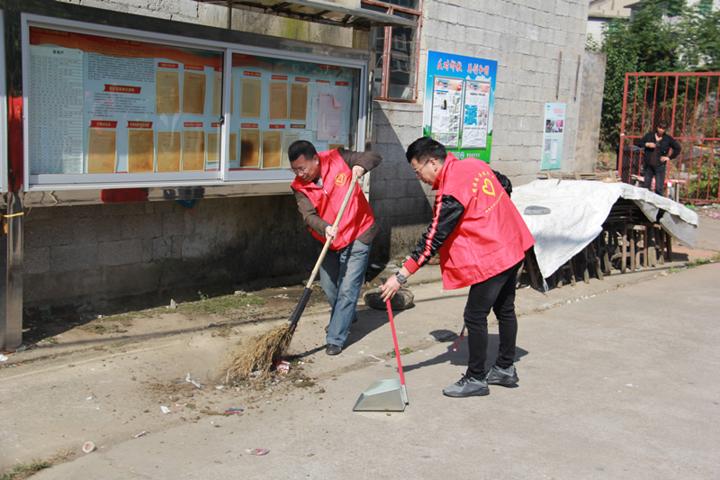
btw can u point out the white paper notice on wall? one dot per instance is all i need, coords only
(55, 105)
(446, 110)
(329, 119)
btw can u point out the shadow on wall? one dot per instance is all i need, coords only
(401, 204)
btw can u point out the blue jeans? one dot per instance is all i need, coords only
(341, 275)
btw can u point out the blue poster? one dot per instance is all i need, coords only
(459, 100)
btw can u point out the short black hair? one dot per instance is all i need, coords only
(662, 124)
(301, 147)
(424, 148)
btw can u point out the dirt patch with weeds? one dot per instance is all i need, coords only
(22, 471)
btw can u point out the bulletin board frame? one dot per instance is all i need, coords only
(223, 175)
(3, 110)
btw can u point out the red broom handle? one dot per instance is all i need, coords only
(395, 342)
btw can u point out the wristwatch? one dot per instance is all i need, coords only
(402, 279)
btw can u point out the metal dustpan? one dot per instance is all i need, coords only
(388, 395)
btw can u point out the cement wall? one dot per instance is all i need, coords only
(588, 136)
(89, 254)
(190, 11)
(526, 38)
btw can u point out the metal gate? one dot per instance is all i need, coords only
(688, 102)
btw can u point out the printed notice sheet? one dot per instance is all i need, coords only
(249, 148)
(446, 110)
(272, 145)
(193, 150)
(251, 97)
(102, 145)
(476, 111)
(56, 105)
(193, 92)
(168, 151)
(167, 92)
(298, 101)
(278, 101)
(141, 149)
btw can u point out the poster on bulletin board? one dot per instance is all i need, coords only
(459, 101)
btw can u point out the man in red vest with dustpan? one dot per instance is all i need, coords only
(321, 181)
(482, 241)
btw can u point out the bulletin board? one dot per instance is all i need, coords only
(459, 103)
(111, 107)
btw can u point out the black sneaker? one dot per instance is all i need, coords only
(333, 349)
(507, 377)
(467, 387)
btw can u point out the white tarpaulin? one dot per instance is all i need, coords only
(578, 210)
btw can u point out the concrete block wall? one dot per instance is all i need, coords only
(89, 254)
(210, 15)
(588, 137)
(526, 38)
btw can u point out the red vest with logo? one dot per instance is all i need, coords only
(336, 175)
(491, 236)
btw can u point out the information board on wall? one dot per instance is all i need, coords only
(275, 102)
(459, 93)
(553, 132)
(100, 105)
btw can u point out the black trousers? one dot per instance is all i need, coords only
(657, 171)
(497, 293)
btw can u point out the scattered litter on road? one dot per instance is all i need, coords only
(91, 397)
(219, 387)
(21, 348)
(257, 451)
(189, 379)
(629, 385)
(240, 292)
(164, 409)
(233, 411)
(378, 359)
(282, 366)
(3, 358)
(141, 434)
(173, 304)
(88, 447)
(281, 295)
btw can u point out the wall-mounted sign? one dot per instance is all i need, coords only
(554, 128)
(459, 94)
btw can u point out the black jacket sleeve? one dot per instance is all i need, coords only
(676, 148)
(443, 223)
(640, 142)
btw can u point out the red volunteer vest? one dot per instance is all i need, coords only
(491, 236)
(336, 176)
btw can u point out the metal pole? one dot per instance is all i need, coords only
(622, 128)
(11, 331)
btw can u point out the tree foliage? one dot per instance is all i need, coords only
(661, 36)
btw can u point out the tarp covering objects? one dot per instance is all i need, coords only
(577, 211)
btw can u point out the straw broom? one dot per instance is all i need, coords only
(265, 350)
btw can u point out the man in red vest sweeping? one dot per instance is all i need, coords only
(321, 181)
(482, 241)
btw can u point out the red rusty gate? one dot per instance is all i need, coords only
(688, 102)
